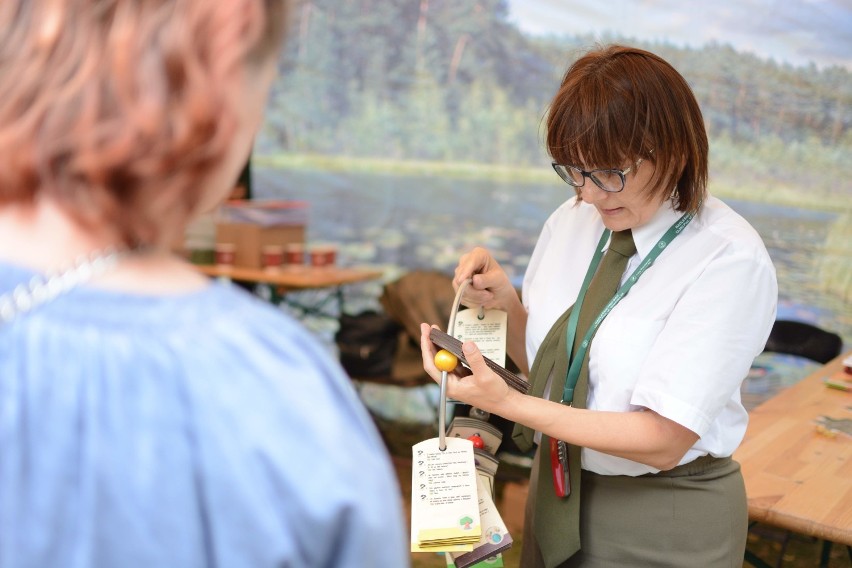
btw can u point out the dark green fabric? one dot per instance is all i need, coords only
(551, 356)
(556, 521)
(694, 515)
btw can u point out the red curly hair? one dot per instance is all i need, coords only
(116, 109)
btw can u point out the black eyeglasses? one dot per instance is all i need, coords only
(611, 180)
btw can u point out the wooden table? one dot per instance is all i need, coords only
(293, 277)
(297, 279)
(799, 478)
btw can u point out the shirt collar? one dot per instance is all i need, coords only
(647, 235)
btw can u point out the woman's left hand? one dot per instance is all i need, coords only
(483, 389)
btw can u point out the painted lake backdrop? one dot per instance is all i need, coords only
(413, 127)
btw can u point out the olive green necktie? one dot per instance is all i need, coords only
(557, 520)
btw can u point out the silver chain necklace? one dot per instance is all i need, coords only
(43, 288)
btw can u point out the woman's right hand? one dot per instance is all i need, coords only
(490, 286)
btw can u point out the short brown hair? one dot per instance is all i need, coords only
(115, 109)
(618, 104)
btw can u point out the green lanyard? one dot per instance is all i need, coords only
(577, 360)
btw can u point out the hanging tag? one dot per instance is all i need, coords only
(444, 497)
(465, 427)
(495, 536)
(487, 328)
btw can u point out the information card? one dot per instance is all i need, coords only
(488, 329)
(444, 497)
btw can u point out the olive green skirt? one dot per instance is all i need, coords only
(693, 515)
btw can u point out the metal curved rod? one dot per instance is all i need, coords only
(442, 408)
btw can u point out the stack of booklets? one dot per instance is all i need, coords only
(452, 505)
(444, 497)
(495, 536)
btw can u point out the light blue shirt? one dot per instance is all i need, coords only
(206, 429)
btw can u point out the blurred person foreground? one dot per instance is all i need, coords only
(151, 416)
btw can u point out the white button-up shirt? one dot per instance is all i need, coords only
(682, 341)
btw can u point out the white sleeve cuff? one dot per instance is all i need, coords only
(672, 408)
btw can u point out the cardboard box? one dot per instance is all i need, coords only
(250, 238)
(252, 224)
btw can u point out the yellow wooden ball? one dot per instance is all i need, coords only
(446, 361)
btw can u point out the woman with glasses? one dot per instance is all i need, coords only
(644, 304)
(150, 417)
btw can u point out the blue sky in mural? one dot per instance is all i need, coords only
(792, 31)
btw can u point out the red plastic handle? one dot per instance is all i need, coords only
(559, 467)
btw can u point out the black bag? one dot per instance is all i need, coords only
(367, 344)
